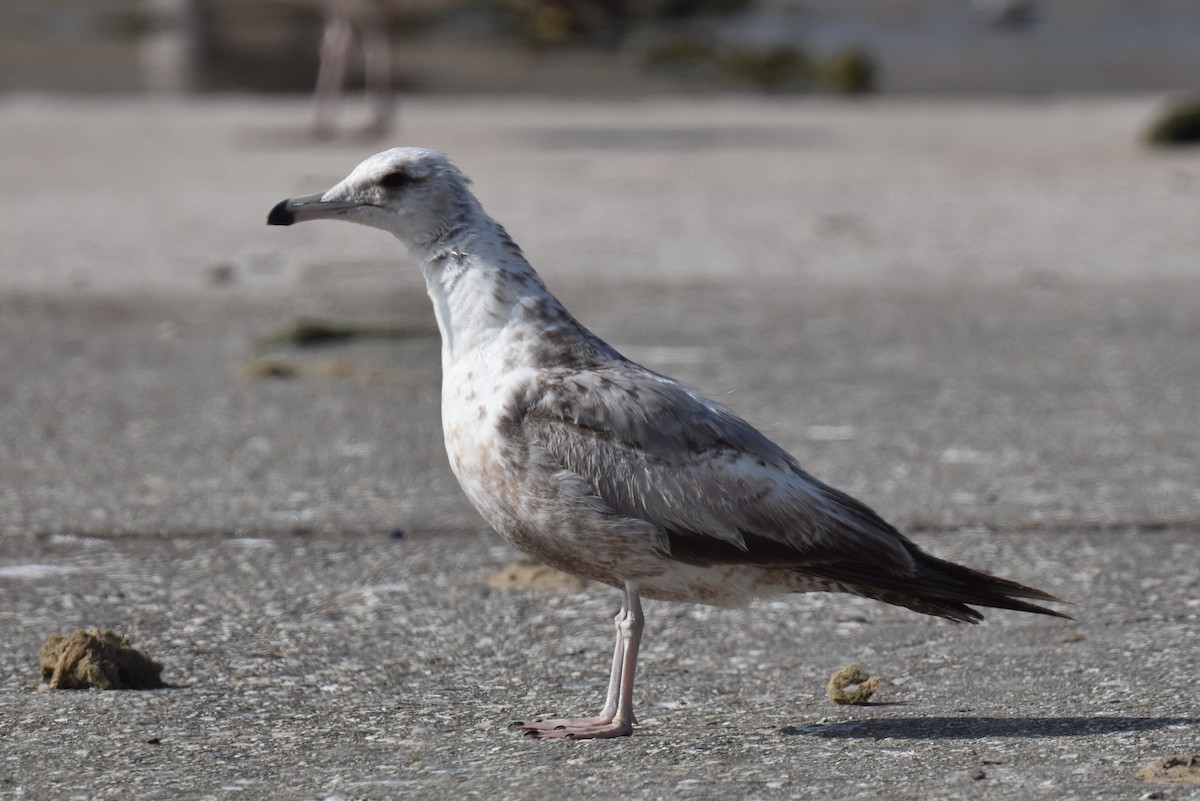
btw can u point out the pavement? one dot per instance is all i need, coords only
(979, 317)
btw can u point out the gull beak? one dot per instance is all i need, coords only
(309, 207)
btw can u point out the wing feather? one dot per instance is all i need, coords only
(655, 449)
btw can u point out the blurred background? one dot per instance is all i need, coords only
(613, 47)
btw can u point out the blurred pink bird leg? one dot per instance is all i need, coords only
(341, 19)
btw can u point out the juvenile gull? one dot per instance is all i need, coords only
(607, 470)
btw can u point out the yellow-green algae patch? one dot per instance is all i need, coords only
(1178, 124)
(103, 660)
(847, 677)
(306, 333)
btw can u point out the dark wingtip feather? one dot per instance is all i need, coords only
(983, 589)
(940, 588)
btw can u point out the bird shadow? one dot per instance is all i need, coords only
(977, 728)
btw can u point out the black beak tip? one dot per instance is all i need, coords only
(282, 214)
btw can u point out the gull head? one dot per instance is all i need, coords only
(411, 192)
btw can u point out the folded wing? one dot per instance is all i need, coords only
(719, 492)
(657, 450)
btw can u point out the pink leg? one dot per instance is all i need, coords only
(335, 51)
(617, 718)
(614, 686)
(377, 55)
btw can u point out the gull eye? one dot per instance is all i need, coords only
(394, 180)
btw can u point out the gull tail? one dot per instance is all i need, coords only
(937, 587)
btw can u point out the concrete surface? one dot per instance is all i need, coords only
(980, 318)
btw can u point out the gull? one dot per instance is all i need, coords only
(607, 470)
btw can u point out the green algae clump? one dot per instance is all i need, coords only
(1178, 124)
(850, 72)
(103, 660)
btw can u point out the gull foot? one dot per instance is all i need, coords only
(559, 723)
(573, 728)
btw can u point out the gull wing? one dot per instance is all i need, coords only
(719, 490)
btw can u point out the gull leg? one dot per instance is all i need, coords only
(617, 718)
(614, 687)
(618, 665)
(614, 676)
